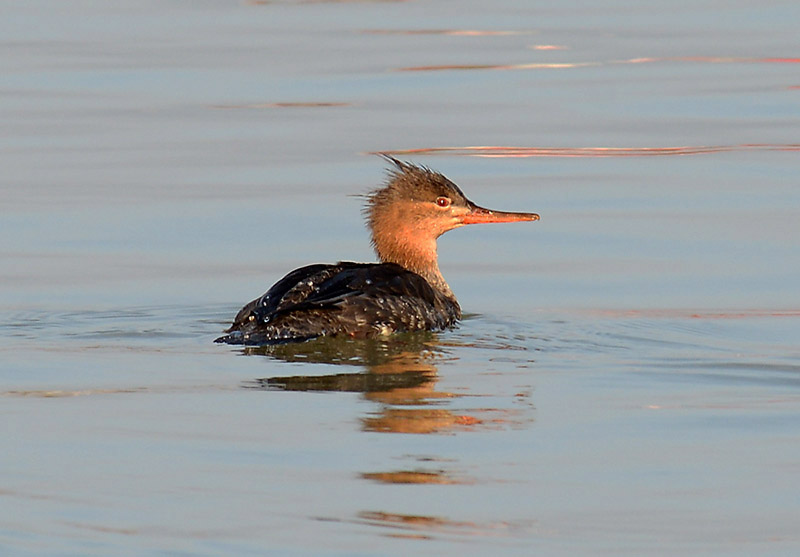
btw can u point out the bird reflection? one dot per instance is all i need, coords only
(398, 372)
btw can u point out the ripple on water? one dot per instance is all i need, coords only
(680, 345)
(721, 347)
(138, 324)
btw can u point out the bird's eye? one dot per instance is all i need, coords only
(442, 202)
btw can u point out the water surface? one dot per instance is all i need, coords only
(627, 376)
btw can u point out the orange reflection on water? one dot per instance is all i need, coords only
(439, 477)
(523, 152)
(399, 374)
(431, 421)
(424, 527)
(403, 362)
(416, 420)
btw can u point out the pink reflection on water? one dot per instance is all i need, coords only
(780, 60)
(692, 314)
(524, 152)
(450, 32)
(283, 105)
(532, 66)
(641, 60)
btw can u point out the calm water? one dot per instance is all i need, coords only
(627, 377)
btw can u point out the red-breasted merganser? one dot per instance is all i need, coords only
(404, 292)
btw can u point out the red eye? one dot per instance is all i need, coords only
(442, 202)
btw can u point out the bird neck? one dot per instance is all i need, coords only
(412, 249)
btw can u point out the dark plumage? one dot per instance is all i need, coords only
(360, 300)
(405, 292)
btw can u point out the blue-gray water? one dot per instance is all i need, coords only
(627, 377)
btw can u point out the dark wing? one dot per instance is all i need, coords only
(271, 300)
(358, 299)
(368, 299)
(369, 280)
